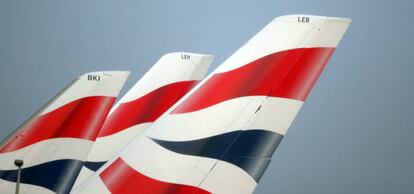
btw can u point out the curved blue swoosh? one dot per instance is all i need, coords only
(94, 166)
(251, 150)
(58, 175)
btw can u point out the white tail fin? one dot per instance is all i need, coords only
(221, 137)
(164, 84)
(56, 140)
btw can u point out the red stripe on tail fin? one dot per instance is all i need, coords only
(146, 108)
(129, 181)
(287, 74)
(82, 118)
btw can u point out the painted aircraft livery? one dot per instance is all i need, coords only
(221, 136)
(172, 133)
(56, 140)
(162, 86)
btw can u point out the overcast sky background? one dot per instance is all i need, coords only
(353, 135)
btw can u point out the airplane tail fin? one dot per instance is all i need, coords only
(160, 88)
(55, 141)
(220, 138)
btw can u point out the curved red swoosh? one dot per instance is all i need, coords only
(287, 74)
(82, 118)
(146, 108)
(119, 178)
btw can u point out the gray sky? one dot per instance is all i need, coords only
(353, 135)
